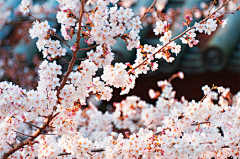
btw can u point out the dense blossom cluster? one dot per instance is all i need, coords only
(172, 128)
(136, 129)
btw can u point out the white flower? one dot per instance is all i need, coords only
(180, 75)
(206, 89)
(24, 9)
(147, 48)
(224, 23)
(220, 89)
(159, 27)
(211, 26)
(200, 27)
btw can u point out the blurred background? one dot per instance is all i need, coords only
(215, 60)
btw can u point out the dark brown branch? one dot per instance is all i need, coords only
(32, 125)
(19, 139)
(63, 154)
(30, 139)
(22, 133)
(205, 122)
(74, 52)
(98, 150)
(9, 144)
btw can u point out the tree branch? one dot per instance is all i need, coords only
(28, 140)
(149, 9)
(177, 37)
(74, 52)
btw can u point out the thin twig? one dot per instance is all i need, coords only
(22, 133)
(63, 59)
(91, 47)
(213, 87)
(19, 139)
(32, 125)
(205, 122)
(55, 34)
(81, 59)
(98, 150)
(9, 144)
(63, 154)
(48, 134)
(149, 9)
(33, 17)
(211, 7)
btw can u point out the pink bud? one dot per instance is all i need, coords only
(195, 42)
(181, 75)
(49, 58)
(128, 64)
(73, 48)
(184, 24)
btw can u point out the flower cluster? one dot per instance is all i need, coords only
(170, 127)
(102, 56)
(136, 129)
(54, 48)
(118, 77)
(66, 19)
(24, 6)
(50, 47)
(209, 27)
(48, 75)
(113, 22)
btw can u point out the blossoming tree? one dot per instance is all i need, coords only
(49, 123)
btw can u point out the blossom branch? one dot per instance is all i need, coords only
(30, 139)
(33, 17)
(177, 37)
(214, 2)
(213, 87)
